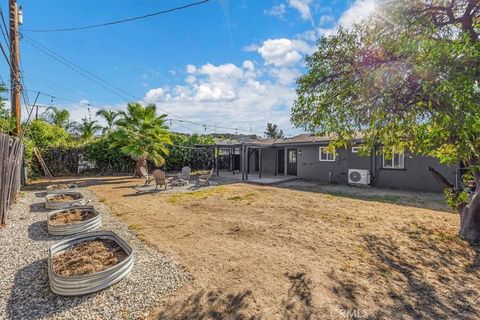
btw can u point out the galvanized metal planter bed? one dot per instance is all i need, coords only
(70, 188)
(74, 227)
(85, 284)
(66, 203)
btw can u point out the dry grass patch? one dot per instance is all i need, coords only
(194, 195)
(258, 252)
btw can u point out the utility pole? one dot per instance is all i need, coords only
(15, 84)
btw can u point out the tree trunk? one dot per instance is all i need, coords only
(142, 162)
(470, 215)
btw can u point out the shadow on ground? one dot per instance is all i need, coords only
(37, 207)
(210, 305)
(425, 279)
(424, 200)
(298, 304)
(38, 231)
(31, 297)
(220, 305)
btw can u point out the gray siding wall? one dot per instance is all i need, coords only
(309, 167)
(415, 176)
(268, 160)
(253, 159)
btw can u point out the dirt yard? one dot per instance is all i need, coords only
(302, 251)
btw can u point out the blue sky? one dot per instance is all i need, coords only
(226, 63)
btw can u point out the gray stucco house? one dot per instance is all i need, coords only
(305, 156)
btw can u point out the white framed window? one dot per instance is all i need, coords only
(324, 155)
(355, 149)
(396, 162)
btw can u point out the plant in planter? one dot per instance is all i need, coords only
(73, 220)
(63, 200)
(62, 188)
(88, 262)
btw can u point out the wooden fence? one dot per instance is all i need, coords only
(11, 153)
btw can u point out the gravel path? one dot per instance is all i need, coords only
(24, 287)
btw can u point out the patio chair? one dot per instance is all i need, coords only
(148, 178)
(185, 175)
(162, 180)
(204, 179)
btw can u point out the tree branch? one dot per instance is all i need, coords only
(440, 178)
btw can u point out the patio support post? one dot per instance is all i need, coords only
(234, 149)
(242, 162)
(217, 153)
(247, 164)
(260, 164)
(285, 162)
(275, 169)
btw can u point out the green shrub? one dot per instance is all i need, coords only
(108, 159)
(182, 152)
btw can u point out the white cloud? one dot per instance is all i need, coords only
(248, 64)
(221, 72)
(230, 96)
(356, 13)
(302, 6)
(190, 79)
(276, 11)
(283, 52)
(285, 76)
(251, 47)
(191, 68)
(157, 94)
(326, 19)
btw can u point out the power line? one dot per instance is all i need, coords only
(88, 75)
(75, 70)
(120, 21)
(24, 97)
(66, 99)
(17, 64)
(71, 65)
(80, 68)
(53, 86)
(85, 73)
(4, 29)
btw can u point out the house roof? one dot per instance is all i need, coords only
(305, 138)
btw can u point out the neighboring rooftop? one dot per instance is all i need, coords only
(305, 138)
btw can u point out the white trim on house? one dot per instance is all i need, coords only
(355, 149)
(325, 156)
(396, 162)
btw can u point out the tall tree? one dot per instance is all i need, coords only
(58, 117)
(273, 132)
(142, 135)
(408, 80)
(7, 122)
(109, 116)
(87, 129)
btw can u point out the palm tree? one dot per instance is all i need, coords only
(109, 116)
(142, 135)
(87, 129)
(58, 117)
